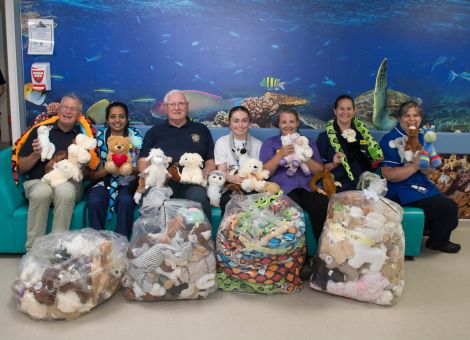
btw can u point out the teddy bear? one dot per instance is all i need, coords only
(363, 253)
(428, 156)
(328, 183)
(62, 172)
(78, 151)
(216, 182)
(302, 153)
(192, 164)
(47, 147)
(254, 177)
(349, 135)
(100, 271)
(59, 155)
(412, 145)
(119, 159)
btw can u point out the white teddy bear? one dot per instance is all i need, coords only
(61, 173)
(216, 181)
(78, 152)
(254, 177)
(156, 174)
(303, 152)
(47, 148)
(192, 164)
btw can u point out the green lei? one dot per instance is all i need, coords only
(372, 146)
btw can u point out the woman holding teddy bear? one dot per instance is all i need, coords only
(112, 193)
(295, 185)
(230, 150)
(408, 185)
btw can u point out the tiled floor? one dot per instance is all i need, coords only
(434, 305)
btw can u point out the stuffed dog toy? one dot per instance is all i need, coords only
(192, 164)
(155, 175)
(47, 148)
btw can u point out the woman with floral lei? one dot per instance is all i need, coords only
(347, 147)
(112, 193)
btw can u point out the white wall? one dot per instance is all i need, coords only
(3, 66)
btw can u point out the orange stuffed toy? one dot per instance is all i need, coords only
(328, 183)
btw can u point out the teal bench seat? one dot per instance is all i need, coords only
(14, 213)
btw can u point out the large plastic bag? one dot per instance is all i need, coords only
(261, 245)
(361, 249)
(174, 260)
(65, 275)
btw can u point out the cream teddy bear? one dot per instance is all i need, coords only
(254, 177)
(62, 172)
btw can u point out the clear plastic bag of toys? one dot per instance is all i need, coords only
(361, 249)
(65, 275)
(149, 221)
(176, 262)
(261, 245)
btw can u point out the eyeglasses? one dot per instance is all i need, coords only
(68, 108)
(178, 104)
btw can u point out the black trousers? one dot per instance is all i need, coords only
(315, 204)
(440, 217)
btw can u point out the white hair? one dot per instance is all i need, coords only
(165, 99)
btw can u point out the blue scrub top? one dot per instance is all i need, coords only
(414, 188)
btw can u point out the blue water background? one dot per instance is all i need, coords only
(145, 48)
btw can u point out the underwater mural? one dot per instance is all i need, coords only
(260, 54)
(263, 54)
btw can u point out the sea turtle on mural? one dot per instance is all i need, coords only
(378, 108)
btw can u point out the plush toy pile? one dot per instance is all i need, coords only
(171, 253)
(361, 250)
(65, 275)
(261, 245)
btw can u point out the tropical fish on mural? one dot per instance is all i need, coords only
(328, 82)
(104, 90)
(378, 108)
(464, 75)
(35, 97)
(57, 76)
(96, 57)
(97, 111)
(271, 83)
(143, 100)
(200, 104)
(441, 60)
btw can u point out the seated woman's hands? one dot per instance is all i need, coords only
(234, 179)
(286, 150)
(338, 157)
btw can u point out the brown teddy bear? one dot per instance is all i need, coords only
(412, 144)
(119, 160)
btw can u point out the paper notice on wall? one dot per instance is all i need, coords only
(41, 36)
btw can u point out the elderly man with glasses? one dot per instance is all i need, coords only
(176, 136)
(40, 195)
